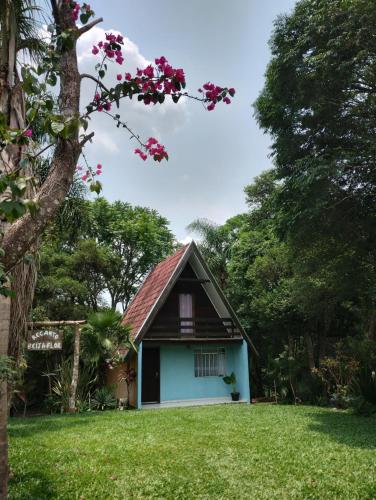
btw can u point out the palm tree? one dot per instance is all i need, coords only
(18, 32)
(104, 341)
(214, 245)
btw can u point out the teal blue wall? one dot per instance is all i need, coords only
(177, 373)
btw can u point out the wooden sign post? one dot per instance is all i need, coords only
(51, 339)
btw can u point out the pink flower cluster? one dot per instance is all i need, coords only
(76, 8)
(161, 78)
(89, 173)
(154, 149)
(111, 48)
(214, 94)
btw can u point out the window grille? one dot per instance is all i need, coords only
(210, 363)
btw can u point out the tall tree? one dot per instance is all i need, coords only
(17, 32)
(319, 105)
(134, 240)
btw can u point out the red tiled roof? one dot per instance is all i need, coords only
(150, 290)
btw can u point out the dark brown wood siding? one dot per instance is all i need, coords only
(203, 309)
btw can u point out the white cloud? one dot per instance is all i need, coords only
(104, 140)
(186, 240)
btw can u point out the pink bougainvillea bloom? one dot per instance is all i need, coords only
(128, 76)
(149, 71)
(151, 141)
(211, 106)
(107, 106)
(226, 100)
(231, 92)
(99, 166)
(97, 97)
(98, 172)
(119, 77)
(179, 75)
(100, 108)
(168, 71)
(84, 177)
(95, 50)
(161, 61)
(28, 133)
(140, 153)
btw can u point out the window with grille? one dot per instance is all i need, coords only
(210, 363)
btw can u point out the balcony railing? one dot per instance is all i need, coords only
(170, 327)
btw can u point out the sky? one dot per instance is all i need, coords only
(213, 155)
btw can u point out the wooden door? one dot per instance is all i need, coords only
(150, 376)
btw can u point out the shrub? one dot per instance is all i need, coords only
(103, 399)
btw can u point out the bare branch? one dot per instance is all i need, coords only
(98, 82)
(86, 139)
(88, 26)
(43, 150)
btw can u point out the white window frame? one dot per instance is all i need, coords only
(210, 363)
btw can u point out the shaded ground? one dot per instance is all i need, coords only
(230, 452)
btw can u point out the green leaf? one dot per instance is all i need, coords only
(57, 127)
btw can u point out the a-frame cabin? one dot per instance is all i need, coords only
(187, 336)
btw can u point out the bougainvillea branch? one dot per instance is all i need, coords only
(64, 124)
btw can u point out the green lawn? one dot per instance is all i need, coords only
(231, 452)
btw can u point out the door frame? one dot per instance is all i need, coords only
(158, 351)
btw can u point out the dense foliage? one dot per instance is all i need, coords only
(301, 266)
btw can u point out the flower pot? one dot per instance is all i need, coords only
(235, 396)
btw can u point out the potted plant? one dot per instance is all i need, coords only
(231, 380)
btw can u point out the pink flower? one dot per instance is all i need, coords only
(119, 59)
(28, 133)
(211, 106)
(97, 97)
(98, 172)
(107, 106)
(119, 77)
(149, 71)
(161, 61)
(168, 71)
(128, 76)
(100, 108)
(231, 92)
(95, 50)
(179, 75)
(99, 166)
(151, 141)
(142, 155)
(84, 177)
(226, 100)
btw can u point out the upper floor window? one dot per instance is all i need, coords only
(186, 312)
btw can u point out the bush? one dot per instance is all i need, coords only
(103, 399)
(364, 392)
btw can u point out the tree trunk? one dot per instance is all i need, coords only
(309, 349)
(76, 362)
(4, 333)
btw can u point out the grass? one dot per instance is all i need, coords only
(229, 452)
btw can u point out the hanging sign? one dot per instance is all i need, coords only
(45, 340)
